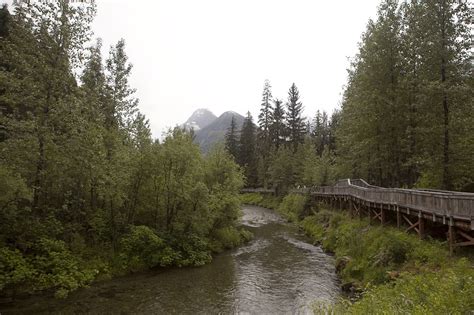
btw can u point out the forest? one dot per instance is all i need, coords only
(406, 116)
(86, 193)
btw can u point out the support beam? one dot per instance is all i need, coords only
(399, 217)
(383, 215)
(421, 225)
(451, 238)
(412, 226)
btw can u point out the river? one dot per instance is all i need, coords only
(276, 273)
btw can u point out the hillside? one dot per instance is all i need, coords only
(215, 131)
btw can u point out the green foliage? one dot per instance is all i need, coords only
(247, 157)
(56, 267)
(52, 266)
(397, 272)
(14, 268)
(230, 237)
(406, 112)
(448, 291)
(85, 192)
(369, 258)
(292, 207)
(263, 200)
(141, 247)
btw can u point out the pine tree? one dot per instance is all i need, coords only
(265, 117)
(263, 134)
(231, 139)
(4, 20)
(446, 54)
(294, 122)
(320, 132)
(278, 130)
(248, 153)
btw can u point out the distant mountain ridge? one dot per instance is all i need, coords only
(201, 118)
(211, 131)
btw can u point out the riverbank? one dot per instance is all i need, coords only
(383, 269)
(58, 270)
(277, 272)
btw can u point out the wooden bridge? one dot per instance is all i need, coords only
(420, 210)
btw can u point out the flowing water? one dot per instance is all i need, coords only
(276, 273)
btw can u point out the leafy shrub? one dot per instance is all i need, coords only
(292, 207)
(446, 292)
(229, 237)
(263, 200)
(313, 227)
(57, 268)
(141, 248)
(14, 268)
(251, 199)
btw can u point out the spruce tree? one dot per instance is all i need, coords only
(231, 139)
(263, 133)
(265, 117)
(248, 152)
(295, 124)
(278, 130)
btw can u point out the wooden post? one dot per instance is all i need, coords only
(369, 211)
(383, 217)
(421, 225)
(451, 238)
(399, 217)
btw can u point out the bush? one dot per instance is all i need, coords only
(14, 269)
(191, 251)
(292, 207)
(142, 248)
(262, 200)
(251, 199)
(446, 292)
(228, 238)
(313, 227)
(57, 268)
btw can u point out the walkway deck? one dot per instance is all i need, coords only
(455, 210)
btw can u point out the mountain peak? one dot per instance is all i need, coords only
(215, 131)
(201, 118)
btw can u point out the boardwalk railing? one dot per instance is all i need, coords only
(441, 203)
(444, 205)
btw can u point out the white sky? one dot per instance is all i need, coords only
(216, 54)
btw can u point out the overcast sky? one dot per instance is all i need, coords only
(216, 54)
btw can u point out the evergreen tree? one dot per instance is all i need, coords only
(278, 130)
(446, 54)
(248, 152)
(294, 122)
(264, 134)
(265, 117)
(320, 132)
(231, 139)
(4, 20)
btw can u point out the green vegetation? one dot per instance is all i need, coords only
(262, 200)
(85, 192)
(386, 270)
(406, 113)
(392, 272)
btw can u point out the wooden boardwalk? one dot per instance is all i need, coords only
(421, 210)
